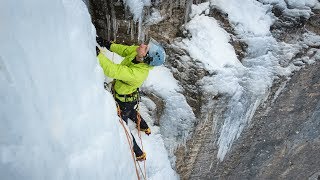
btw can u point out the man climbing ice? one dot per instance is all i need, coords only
(129, 75)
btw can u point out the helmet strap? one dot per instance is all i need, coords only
(147, 59)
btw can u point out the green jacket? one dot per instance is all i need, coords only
(128, 75)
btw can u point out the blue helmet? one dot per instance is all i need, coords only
(156, 55)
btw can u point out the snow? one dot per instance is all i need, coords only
(208, 38)
(198, 9)
(154, 18)
(295, 8)
(302, 4)
(294, 4)
(250, 16)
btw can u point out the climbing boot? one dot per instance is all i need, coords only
(142, 157)
(147, 131)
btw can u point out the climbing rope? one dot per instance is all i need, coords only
(139, 134)
(129, 140)
(143, 175)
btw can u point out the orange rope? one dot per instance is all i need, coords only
(139, 134)
(129, 140)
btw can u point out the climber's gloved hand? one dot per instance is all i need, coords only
(100, 41)
(103, 43)
(97, 50)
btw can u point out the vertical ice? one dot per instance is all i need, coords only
(141, 31)
(56, 120)
(260, 66)
(187, 12)
(136, 8)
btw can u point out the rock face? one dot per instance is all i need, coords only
(313, 23)
(283, 139)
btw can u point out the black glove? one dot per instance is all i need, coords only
(103, 43)
(97, 50)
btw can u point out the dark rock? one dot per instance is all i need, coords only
(313, 23)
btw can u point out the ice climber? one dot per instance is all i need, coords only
(129, 76)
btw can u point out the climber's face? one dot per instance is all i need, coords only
(142, 50)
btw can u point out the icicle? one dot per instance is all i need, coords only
(114, 22)
(108, 27)
(132, 29)
(115, 28)
(176, 4)
(187, 11)
(170, 7)
(147, 29)
(118, 3)
(86, 2)
(129, 26)
(148, 11)
(140, 31)
(182, 3)
(126, 12)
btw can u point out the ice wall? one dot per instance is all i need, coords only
(56, 120)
